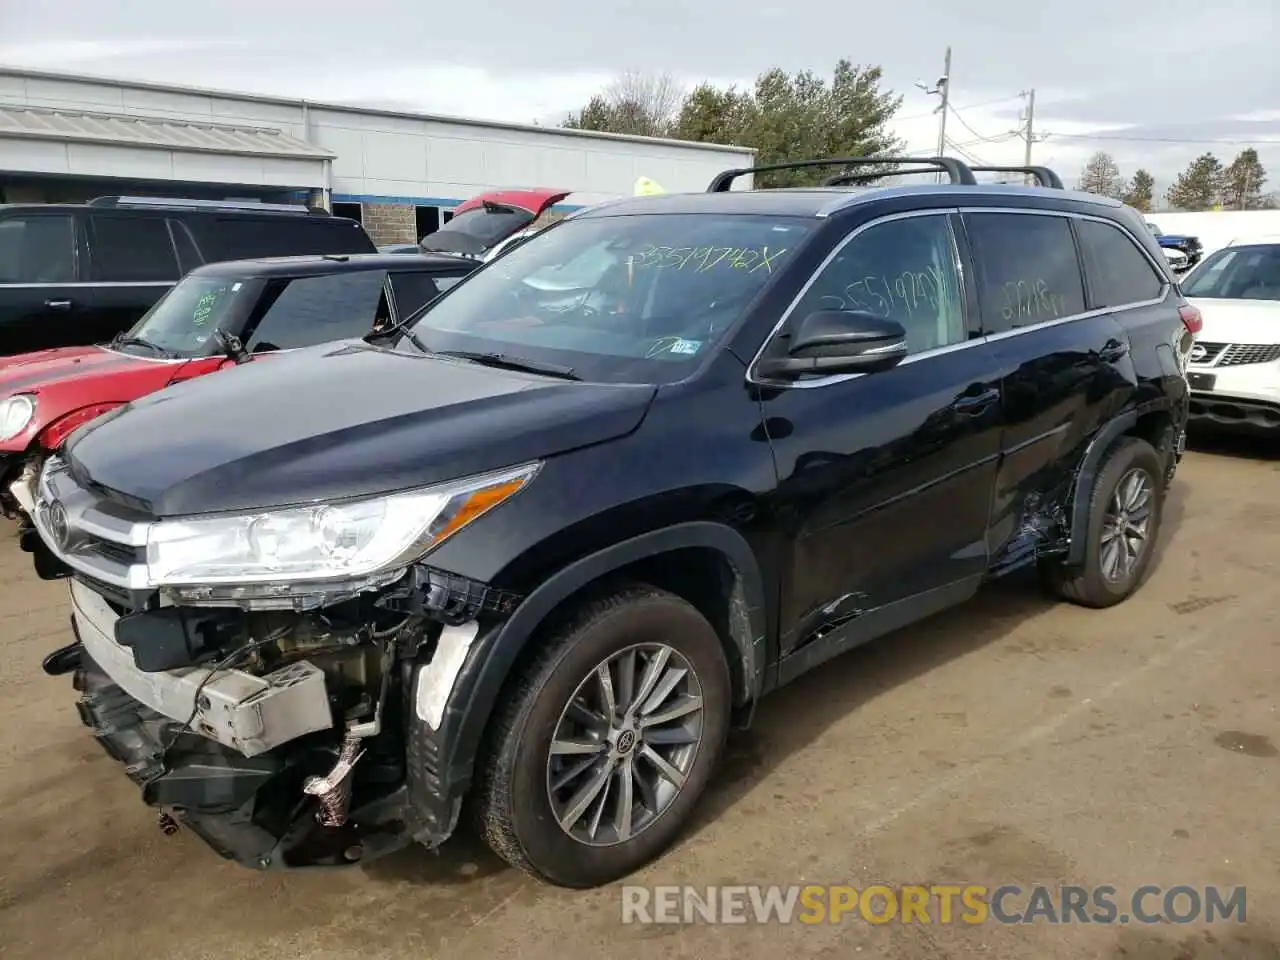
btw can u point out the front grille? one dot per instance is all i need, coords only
(1239, 354)
(1211, 351)
(101, 539)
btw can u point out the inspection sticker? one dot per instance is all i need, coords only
(685, 346)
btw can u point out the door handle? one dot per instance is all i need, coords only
(973, 404)
(1113, 350)
(58, 304)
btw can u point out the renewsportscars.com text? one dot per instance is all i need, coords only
(934, 903)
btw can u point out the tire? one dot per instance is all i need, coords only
(517, 806)
(1089, 584)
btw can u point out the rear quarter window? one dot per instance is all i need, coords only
(1119, 273)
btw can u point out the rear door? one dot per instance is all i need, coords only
(132, 262)
(41, 302)
(1065, 368)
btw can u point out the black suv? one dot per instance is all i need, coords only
(531, 559)
(80, 273)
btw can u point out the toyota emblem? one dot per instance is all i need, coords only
(1198, 353)
(59, 527)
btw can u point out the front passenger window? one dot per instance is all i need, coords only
(311, 310)
(901, 270)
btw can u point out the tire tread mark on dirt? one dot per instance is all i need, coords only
(1195, 604)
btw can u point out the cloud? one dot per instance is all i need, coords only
(1126, 81)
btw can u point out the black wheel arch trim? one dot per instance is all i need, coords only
(495, 652)
(1087, 473)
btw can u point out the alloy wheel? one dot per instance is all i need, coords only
(1126, 525)
(624, 744)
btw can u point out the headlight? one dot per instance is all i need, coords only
(15, 413)
(328, 542)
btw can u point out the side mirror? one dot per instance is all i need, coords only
(837, 341)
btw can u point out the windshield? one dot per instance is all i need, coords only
(183, 320)
(1153, 228)
(629, 298)
(1238, 273)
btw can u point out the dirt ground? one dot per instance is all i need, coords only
(1011, 741)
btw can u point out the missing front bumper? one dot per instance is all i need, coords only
(248, 809)
(247, 713)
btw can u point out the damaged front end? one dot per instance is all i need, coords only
(275, 720)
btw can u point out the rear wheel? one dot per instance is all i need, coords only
(607, 740)
(1124, 522)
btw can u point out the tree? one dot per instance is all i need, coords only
(785, 117)
(712, 115)
(1141, 191)
(801, 116)
(1200, 186)
(635, 103)
(1242, 182)
(1101, 176)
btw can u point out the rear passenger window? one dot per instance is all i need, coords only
(311, 310)
(1028, 272)
(1119, 273)
(38, 249)
(131, 250)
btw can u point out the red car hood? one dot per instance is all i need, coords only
(536, 201)
(32, 372)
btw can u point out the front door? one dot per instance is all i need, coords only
(885, 479)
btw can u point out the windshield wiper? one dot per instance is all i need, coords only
(507, 362)
(230, 345)
(400, 328)
(120, 340)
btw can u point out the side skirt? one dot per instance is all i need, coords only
(875, 623)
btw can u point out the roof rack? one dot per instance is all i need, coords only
(180, 203)
(1046, 176)
(955, 169)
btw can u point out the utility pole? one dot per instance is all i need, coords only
(1028, 131)
(941, 88)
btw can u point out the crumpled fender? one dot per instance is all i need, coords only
(55, 434)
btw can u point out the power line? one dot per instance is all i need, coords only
(1183, 140)
(971, 106)
(964, 123)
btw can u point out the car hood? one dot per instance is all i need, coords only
(32, 372)
(1170, 238)
(337, 421)
(1238, 321)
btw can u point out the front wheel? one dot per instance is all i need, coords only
(1124, 522)
(608, 739)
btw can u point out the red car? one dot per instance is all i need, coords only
(231, 312)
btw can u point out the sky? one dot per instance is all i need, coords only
(1154, 84)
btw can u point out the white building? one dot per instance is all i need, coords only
(70, 138)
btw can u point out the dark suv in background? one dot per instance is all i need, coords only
(75, 274)
(531, 557)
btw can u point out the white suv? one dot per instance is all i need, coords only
(1234, 369)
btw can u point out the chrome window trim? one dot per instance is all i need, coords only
(963, 345)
